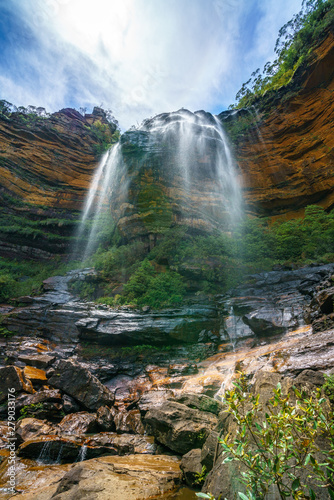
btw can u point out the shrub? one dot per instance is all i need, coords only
(276, 443)
(8, 287)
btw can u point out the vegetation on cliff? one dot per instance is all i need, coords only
(184, 264)
(295, 42)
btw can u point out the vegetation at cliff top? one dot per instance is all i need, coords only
(294, 43)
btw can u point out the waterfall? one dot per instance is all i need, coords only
(185, 159)
(195, 149)
(95, 210)
(82, 453)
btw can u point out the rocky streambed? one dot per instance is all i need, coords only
(127, 404)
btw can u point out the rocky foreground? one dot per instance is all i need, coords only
(106, 415)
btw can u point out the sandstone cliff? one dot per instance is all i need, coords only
(284, 145)
(46, 165)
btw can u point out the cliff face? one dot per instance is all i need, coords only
(285, 150)
(46, 165)
(175, 171)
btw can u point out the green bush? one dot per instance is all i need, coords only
(277, 442)
(8, 287)
(147, 287)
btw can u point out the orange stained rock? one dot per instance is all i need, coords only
(34, 374)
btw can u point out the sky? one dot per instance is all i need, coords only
(135, 57)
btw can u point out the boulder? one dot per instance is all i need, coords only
(192, 468)
(106, 418)
(32, 428)
(50, 449)
(201, 402)
(123, 444)
(35, 375)
(69, 404)
(78, 423)
(109, 477)
(153, 399)
(42, 361)
(78, 382)
(42, 404)
(178, 427)
(129, 421)
(12, 377)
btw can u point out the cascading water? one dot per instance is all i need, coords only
(175, 169)
(95, 210)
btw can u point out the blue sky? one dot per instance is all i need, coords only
(136, 57)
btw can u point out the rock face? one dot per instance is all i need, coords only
(179, 172)
(79, 383)
(46, 165)
(135, 477)
(285, 151)
(179, 427)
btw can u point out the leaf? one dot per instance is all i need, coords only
(307, 459)
(203, 495)
(312, 494)
(228, 459)
(242, 496)
(295, 484)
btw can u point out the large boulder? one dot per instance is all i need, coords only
(118, 478)
(12, 377)
(78, 382)
(179, 427)
(32, 428)
(192, 468)
(78, 423)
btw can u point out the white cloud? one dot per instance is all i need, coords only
(140, 57)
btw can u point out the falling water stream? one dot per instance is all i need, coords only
(190, 148)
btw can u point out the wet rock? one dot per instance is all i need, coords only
(79, 383)
(153, 399)
(42, 404)
(106, 418)
(69, 404)
(182, 369)
(32, 428)
(265, 322)
(178, 427)
(13, 377)
(129, 421)
(35, 375)
(119, 478)
(42, 361)
(200, 402)
(50, 449)
(123, 444)
(78, 423)
(191, 467)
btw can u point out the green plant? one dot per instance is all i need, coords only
(30, 410)
(201, 476)
(278, 442)
(329, 387)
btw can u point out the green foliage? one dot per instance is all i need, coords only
(201, 476)
(329, 387)
(148, 287)
(8, 287)
(295, 40)
(30, 410)
(277, 443)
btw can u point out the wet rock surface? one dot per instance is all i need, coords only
(73, 379)
(120, 478)
(92, 400)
